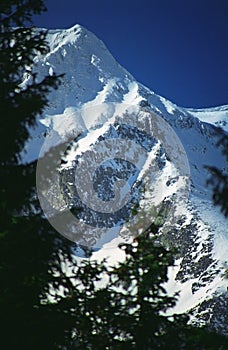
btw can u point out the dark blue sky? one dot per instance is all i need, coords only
(178, 48)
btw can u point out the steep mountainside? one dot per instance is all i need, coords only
(101, 107)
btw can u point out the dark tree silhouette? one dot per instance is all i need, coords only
(125, 306)
(28, 245)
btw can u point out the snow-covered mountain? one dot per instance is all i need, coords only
(101, 105)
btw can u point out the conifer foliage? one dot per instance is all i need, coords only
(126, 306)
(28, 245)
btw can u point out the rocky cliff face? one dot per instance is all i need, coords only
(131, 156)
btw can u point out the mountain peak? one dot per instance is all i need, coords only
(93, 78)
(59, 37)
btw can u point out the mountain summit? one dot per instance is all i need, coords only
(100, 104)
